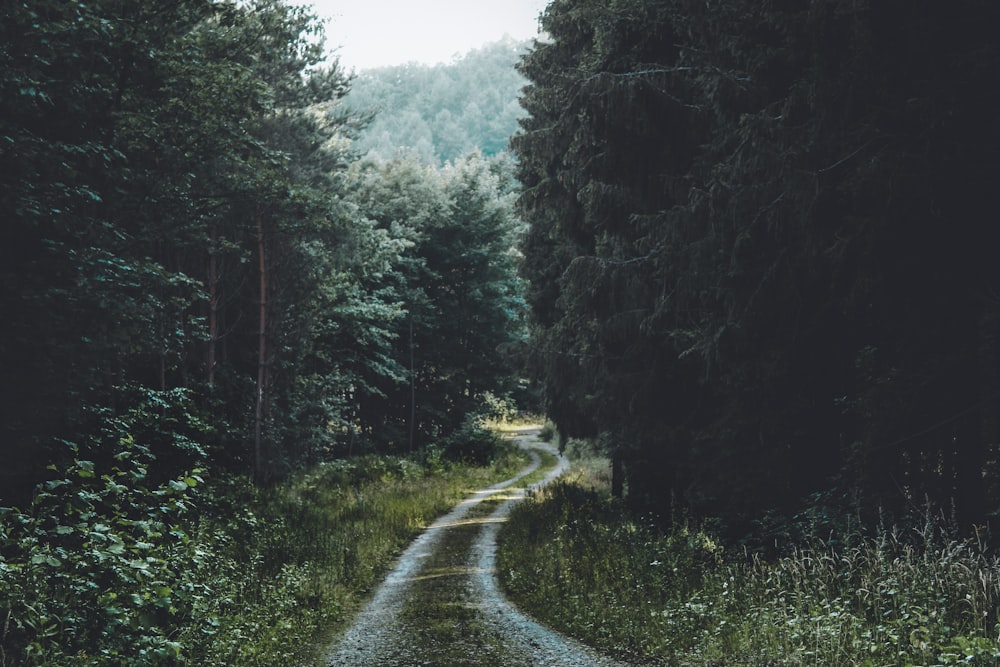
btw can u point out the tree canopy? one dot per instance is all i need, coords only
(757, 259)
(441, 113)
(201, 279)
(187, 238)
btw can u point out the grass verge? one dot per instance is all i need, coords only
(293, 569)
(574, 559)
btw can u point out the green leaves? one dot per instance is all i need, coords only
(89, 532)
(441, 113)
(158, 160)
(455, 281)
(51, 561)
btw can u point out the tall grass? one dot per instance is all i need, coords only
(107, 568)
(576, 560)
(288, 572)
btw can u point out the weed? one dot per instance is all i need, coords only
(574, 558)
(106, 570)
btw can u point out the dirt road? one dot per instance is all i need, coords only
(441, 605)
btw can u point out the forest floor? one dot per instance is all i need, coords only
(441, 604)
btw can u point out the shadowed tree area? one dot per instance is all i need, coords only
(758, 262)
(759, 259)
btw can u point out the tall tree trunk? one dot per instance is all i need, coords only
(413, 389)
(258, 444)
(213, 306)
(617, 474)
(161, 332)
(980, 431)
(989, 365)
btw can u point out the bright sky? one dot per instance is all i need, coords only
(375, 33)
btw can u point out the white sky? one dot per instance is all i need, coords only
(375, 33)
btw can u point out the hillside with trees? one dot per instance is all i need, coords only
(759, 260)
(439, 113)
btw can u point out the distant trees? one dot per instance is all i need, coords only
(757, 255)
(457, 285)
(191, 264)
(443, 112)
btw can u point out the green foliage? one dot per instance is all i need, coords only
(99, 569)
(575, 560)
(190, 284)
(547, 432)
(107, 569)
(441, 113)
(473, 444)
(457, 287)
(290, 564)
(732, 207)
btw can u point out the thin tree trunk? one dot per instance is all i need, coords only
(213, 306)
(161, 332)
(258, 445)
(413, 389)
(617, 475)
(989, 365)
(979, 433)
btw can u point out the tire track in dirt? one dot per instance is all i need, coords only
(471, 622)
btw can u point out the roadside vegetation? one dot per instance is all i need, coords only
(219, 572)
(574, 558)
(209, 293)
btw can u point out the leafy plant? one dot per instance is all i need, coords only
(98, 570)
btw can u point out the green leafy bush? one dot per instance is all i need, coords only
(107, 568)
(98, 570)
(547, 432)
(472, 444)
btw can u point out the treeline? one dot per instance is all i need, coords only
(196, 261)
(439, 113)
(761, 253)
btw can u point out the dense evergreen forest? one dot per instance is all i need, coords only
(196, 259)
(440, 113)
(201, 281)
(760, 258)
(745, 248)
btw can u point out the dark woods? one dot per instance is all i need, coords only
(761, 253)
(759, 262)
(195, 262)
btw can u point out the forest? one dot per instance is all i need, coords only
(741, 249)
(204, 283)
(440, 113)
(759, 256)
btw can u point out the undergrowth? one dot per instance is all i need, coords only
(576, 560)
(106, 570)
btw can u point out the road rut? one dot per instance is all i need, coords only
(441, 604)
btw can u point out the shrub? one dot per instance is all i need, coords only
(98, 570)
(547, 432)
(473, 444)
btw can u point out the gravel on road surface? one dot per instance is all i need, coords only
(457, 556)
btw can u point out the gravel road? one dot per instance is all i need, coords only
(475, 625)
